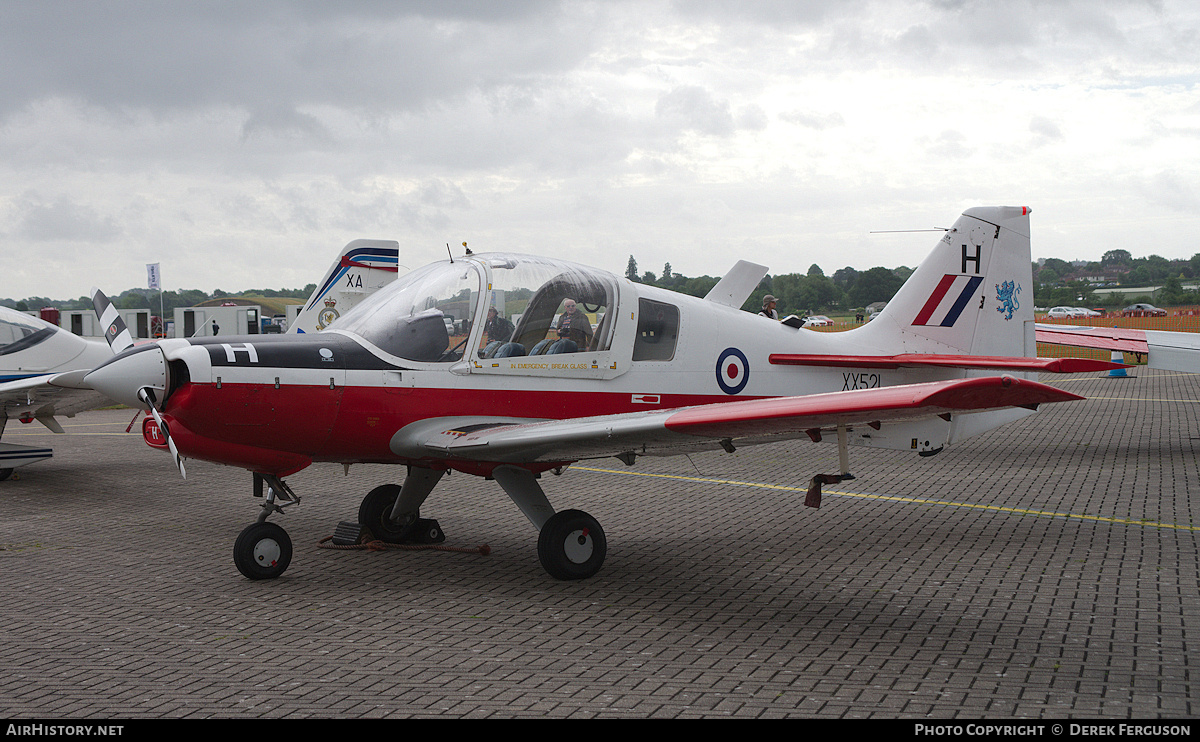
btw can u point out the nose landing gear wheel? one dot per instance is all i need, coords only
(571, 545)
(262, 551)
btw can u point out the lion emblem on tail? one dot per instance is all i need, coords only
(1006, 294)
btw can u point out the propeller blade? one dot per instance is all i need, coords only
(115, 331)
(144, 395)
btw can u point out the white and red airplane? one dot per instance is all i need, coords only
(582, 365)
(41, 365)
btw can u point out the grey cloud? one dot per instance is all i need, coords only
(1044, 128)
(949, 143)
(61, 220)
(693, 108)
(272, 54)
(1172, 189)
(286, 122)
(813, 120)
(773, 12)
(752, 118)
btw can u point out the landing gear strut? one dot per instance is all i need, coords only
(264, 550)
(571, 544)
(392, 512)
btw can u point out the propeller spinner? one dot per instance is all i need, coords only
(139, 377)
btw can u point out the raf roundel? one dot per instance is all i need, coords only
(733, 371)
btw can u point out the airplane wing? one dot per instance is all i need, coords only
(1168, 351)
(42, 397)
(665, 432)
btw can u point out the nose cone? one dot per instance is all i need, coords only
(121, 377)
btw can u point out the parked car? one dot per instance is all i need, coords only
(1061, 312)
(1143, 310)
(817, 320)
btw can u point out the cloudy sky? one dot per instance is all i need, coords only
(242, 144)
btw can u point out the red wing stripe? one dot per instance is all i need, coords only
(1002, 363)
(935, 299)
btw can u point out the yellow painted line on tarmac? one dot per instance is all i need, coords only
(77, 435)
(1146, 399)
(896, 498)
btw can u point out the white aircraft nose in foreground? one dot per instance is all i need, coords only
(42, 366)
(575, 363)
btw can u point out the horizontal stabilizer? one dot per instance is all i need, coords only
(1164, 350)
(997, 363)
(1103, 338)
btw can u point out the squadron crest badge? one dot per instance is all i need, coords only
(327, 315)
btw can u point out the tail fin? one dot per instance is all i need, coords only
(360, 269)
(972, 295)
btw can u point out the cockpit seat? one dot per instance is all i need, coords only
(563, 346)
(423, 336)
(509, 350)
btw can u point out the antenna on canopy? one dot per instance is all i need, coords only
(449, 253)
(892, 231)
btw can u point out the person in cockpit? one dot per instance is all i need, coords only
(496, 327)
(574, 325)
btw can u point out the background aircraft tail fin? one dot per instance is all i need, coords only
(115, 332)
(972, 295)
(360, 269)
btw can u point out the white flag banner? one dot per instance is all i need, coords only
(152, 277)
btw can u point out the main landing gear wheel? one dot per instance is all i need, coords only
(375, 511)
(571, 545)
(262, 551)
(5, 474)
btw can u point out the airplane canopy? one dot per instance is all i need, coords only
(19, 331)
(429, 314)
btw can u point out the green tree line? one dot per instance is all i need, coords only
(808, 293)
(148, 299)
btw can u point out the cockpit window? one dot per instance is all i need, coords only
(543, 306)
(422, 316)
(18, 331)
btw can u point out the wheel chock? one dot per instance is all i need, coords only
(349, 533)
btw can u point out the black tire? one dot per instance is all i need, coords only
(5, 474)
(374, 510)
(571, 545)
(262, 551)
